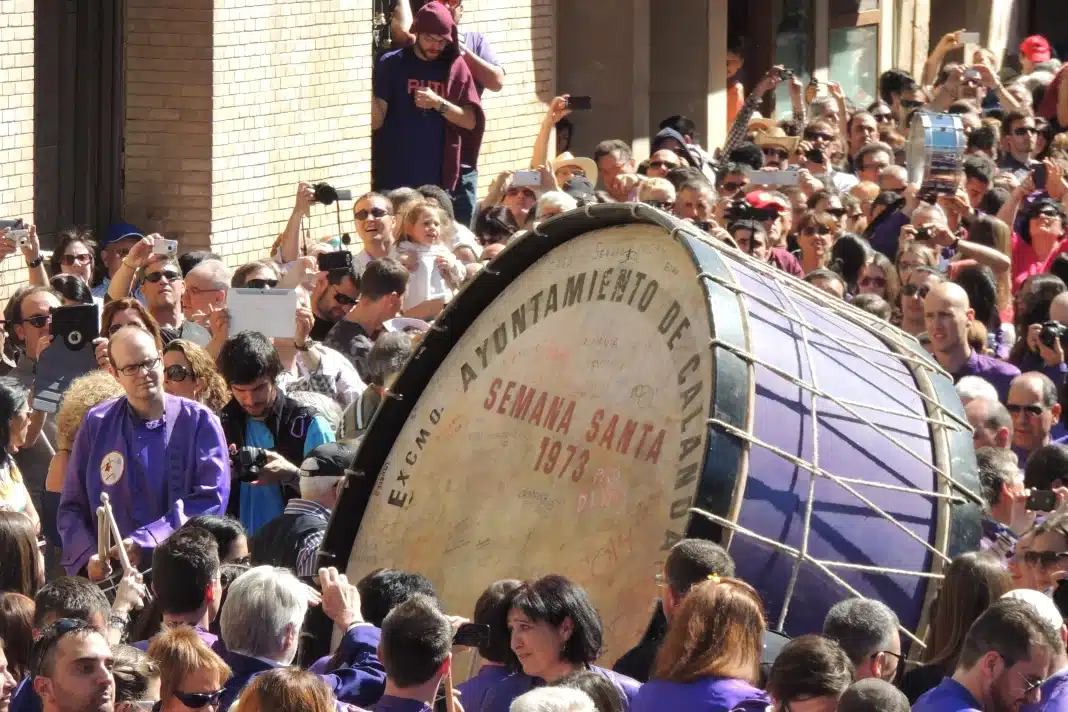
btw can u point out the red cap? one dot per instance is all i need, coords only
(1036, 48)
(762, 200)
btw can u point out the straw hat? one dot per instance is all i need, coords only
(759, 123)
(586, 164)
(774, 136)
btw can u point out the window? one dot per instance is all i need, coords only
(793, 49)
(854, 60)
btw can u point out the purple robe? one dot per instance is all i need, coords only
(499, 697)
(998, 373)
(473, 691)
(153, 488)
(1054, 695)
(708, 694)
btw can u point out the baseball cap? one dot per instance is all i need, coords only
(580, 189)
(764, 200)
(1036, 48)
(328, 460)
(121, 231)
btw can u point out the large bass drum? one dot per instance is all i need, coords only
(614, 382)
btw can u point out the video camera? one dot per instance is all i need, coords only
(246, 463)
(328, 195)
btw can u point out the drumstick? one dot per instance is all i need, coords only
(450, 702)
(124, 558)
(103, 533)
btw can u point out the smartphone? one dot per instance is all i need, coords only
(773, 177)
(329, 261)
(579, 103)
(1038, 175)
(165, 247)
(11, 224)
(969, 38)
(75, 326)
(472, 635)
(522, 179)
(1042, 501)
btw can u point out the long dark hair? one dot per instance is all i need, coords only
(72, 288)
(1034, 297)
(849, 255)
(12, 400)
(981, 286)
(22, 571)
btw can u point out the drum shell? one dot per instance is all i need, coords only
(753, 407)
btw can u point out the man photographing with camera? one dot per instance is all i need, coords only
(269, 433)
(160, 459)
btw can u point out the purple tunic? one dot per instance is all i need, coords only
(1054, 695)
(157, 474)
(708, 694)
(949, 696)
(998, 373)
(473, 691)
(499, 697)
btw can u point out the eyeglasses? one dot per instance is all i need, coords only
(821, 230)
(1043, 558)
(1025, 131)
(136, 368)
(177, 372)
(663, 164)
(732, 186)
(261, 283)
(1047, 212)
(777, 153)
(1029, 685)
(39, 321)
(82, 259)
(873, 282)
(1034, 410)
(373, 212)
(62, 627)
(911, 290)
(196, 700)
(512, 192)
(169, 275)
(343, 299)
(837, 212)
(818, 136)
(246, 560)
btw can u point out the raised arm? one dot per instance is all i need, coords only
(741, 122)
(123, 280)
(486, 71)
(545, 143)
(400, 24)
(289, 247)
(933, 65)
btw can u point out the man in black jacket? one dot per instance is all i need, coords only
(267, 432)
(292, 539)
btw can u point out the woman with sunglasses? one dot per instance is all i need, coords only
(261, 274)
(192, 677)
(1040, 228)
(880, 277)
(913, 292)
(972, 582)
(189, 372)
(710, 659)
(815, 236)
(228, 533)
(1040, 559)
(75, 254)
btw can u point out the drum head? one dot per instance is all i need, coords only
(563, 433)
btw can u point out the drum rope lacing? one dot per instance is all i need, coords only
(822, 565)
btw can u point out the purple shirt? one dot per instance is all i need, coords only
(998, 373)
(499, 697)
(154, 488)
(477, 44)
(389, 703)
(707, 694)
(949, 696)
(473, 691)
(1054, 695)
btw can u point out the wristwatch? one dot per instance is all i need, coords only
(35, 262)
(443, 107)
(306, 347)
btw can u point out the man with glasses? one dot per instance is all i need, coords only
(374, 217)
(427, 113)
(661, 162)
(71, 668)
(383, 285)
(947, 316)
(1019, 143)
(261, 416)
(733, 179)
(161, 459)
(334, 295)
(1055, 686)
(872, 159)
(1032, 403)
(777, 148)
(814, 153)
(867, 630)
(1007, 654)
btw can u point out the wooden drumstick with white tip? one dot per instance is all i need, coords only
(103, 534)
(124, 558)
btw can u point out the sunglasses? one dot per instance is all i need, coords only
(1025, 131)
(82, 259)
(373, 212)
(343, 299)
(38, 322)
(911, 290)
(262, 284)
(170, 276)
(177, 372)
(821, 230)
(778, 153)
(663, 164)
(1047, 213)
(818, 136)
(512, 192)
(1034, 410)
(911, 103)
(196, 700)
(882, 118)
(1043, 558)
(732, 187)
(837, 212)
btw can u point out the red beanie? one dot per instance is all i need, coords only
(434, 19)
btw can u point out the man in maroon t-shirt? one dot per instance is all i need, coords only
(752, 238)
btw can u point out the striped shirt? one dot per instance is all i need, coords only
(309, 547)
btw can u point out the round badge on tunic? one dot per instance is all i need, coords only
(112, 467)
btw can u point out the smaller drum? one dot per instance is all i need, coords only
(935, 151)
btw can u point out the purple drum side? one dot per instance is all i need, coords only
(843, 528)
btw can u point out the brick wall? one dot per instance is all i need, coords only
(522, 33)
(291, 89)
(168, 118)
(16, 125)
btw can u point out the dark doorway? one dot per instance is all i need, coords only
(78, 114)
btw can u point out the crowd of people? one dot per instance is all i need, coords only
(224, 452)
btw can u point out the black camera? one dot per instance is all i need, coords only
(1052, 331)
(741, 210)
(246, 463)
(923, 234)
(328, 194)
(786, 74)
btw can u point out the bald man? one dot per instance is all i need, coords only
(161, 459)
(946, 316)
(1032, 403)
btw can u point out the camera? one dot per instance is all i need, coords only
(328, 194)
(168, 248)
(741, 210)
(246, 463)
(923, 234)
(785, 74)
(1052, 331)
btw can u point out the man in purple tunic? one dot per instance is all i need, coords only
(947, 315)
(416, 650)
(160, 458)
(1007, 654)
